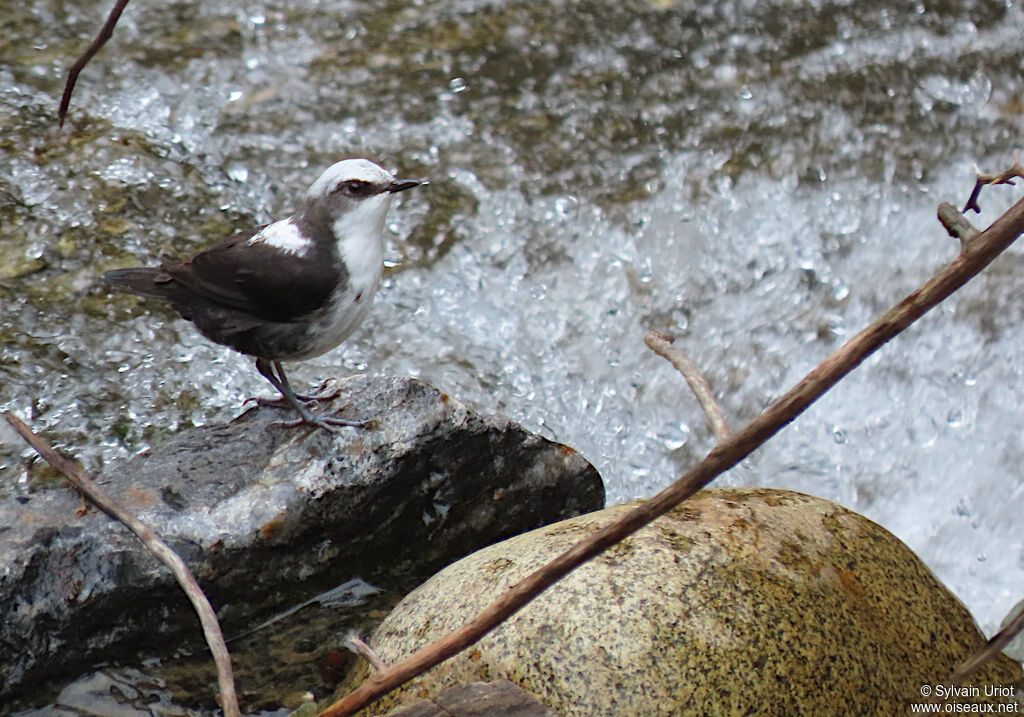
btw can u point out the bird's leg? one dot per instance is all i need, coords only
(319, 394)
(274, 372)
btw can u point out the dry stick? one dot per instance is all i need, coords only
(956, 223)
(983, 656)
(990, 651)
(982, 179)
(356, 645)
(77, 477)
(974, 257)
(663, 346)
(106, 32)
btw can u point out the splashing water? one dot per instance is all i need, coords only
(758, 187)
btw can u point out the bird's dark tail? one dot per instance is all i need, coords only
(144, 281)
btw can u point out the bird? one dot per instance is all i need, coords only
(290, 290)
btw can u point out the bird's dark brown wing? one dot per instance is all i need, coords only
(261, 280)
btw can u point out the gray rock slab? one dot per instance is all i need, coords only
(267, 516)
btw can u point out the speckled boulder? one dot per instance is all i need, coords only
(741, 601)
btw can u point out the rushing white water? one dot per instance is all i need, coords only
(762, 213)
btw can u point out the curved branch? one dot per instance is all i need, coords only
(106, 32)
(663, 346)
(211, 629)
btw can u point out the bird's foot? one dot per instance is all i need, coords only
(321, 394)
(330, 422)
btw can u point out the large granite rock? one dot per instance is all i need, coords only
(479, 699)
(267, 517)
(741, 601)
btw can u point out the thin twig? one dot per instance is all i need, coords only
(358, 646)
(974, 257)
(982, 179)
(211, 629)
(990, 651)
(106, 32)
(663, 346)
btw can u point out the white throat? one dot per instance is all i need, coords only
(360, 235)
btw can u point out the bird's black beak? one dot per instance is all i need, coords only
(400, 185)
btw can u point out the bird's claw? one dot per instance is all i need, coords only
(330, 423)
(310, 399)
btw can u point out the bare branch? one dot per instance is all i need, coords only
(990, 651)
(974, 257)
(956, 223)
(106, 32)
(211, 629)
(664, 347)
(982, 179)
(358, 646)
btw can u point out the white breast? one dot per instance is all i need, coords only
(360, 236)
(337, 321)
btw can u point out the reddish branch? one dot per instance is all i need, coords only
(211, 629)
(974, 256)
(106, 32)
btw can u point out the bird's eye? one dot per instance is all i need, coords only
(355, 188)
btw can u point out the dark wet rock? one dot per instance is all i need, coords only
(739, 601)
(267, 517)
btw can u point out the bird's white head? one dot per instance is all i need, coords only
(353, 196)
(349, 174)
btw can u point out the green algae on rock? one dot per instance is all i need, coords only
(739, 601)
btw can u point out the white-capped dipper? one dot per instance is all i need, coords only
(290, 290)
